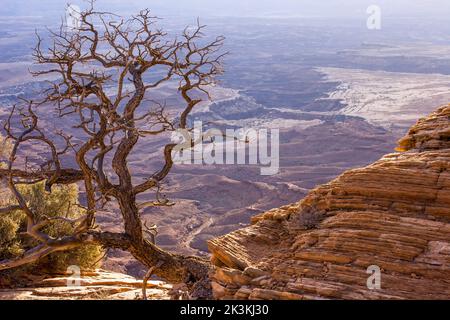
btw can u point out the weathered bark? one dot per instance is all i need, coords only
(193, 271)
(173, 268)
(66, 176)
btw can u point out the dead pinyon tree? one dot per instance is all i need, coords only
(107, 51)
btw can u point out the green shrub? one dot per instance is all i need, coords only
(61, 202)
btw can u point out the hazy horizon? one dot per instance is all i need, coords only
(349, 9)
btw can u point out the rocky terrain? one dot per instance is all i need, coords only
(387, 99)
(394, 214)
(98, 285)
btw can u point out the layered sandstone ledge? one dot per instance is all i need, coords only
(394, 214)
(98, 285)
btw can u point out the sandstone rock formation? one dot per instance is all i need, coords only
(394, 214)
(99, 285)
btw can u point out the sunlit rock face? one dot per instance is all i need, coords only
(393, 215)
(98, 285)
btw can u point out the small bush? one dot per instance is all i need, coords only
(61, 202)
(308, 220)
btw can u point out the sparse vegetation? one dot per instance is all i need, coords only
(14, 241)
(309, 220)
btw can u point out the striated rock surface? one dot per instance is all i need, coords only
(99, 285)
(394, 214)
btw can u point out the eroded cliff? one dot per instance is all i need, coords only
(394, 214)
